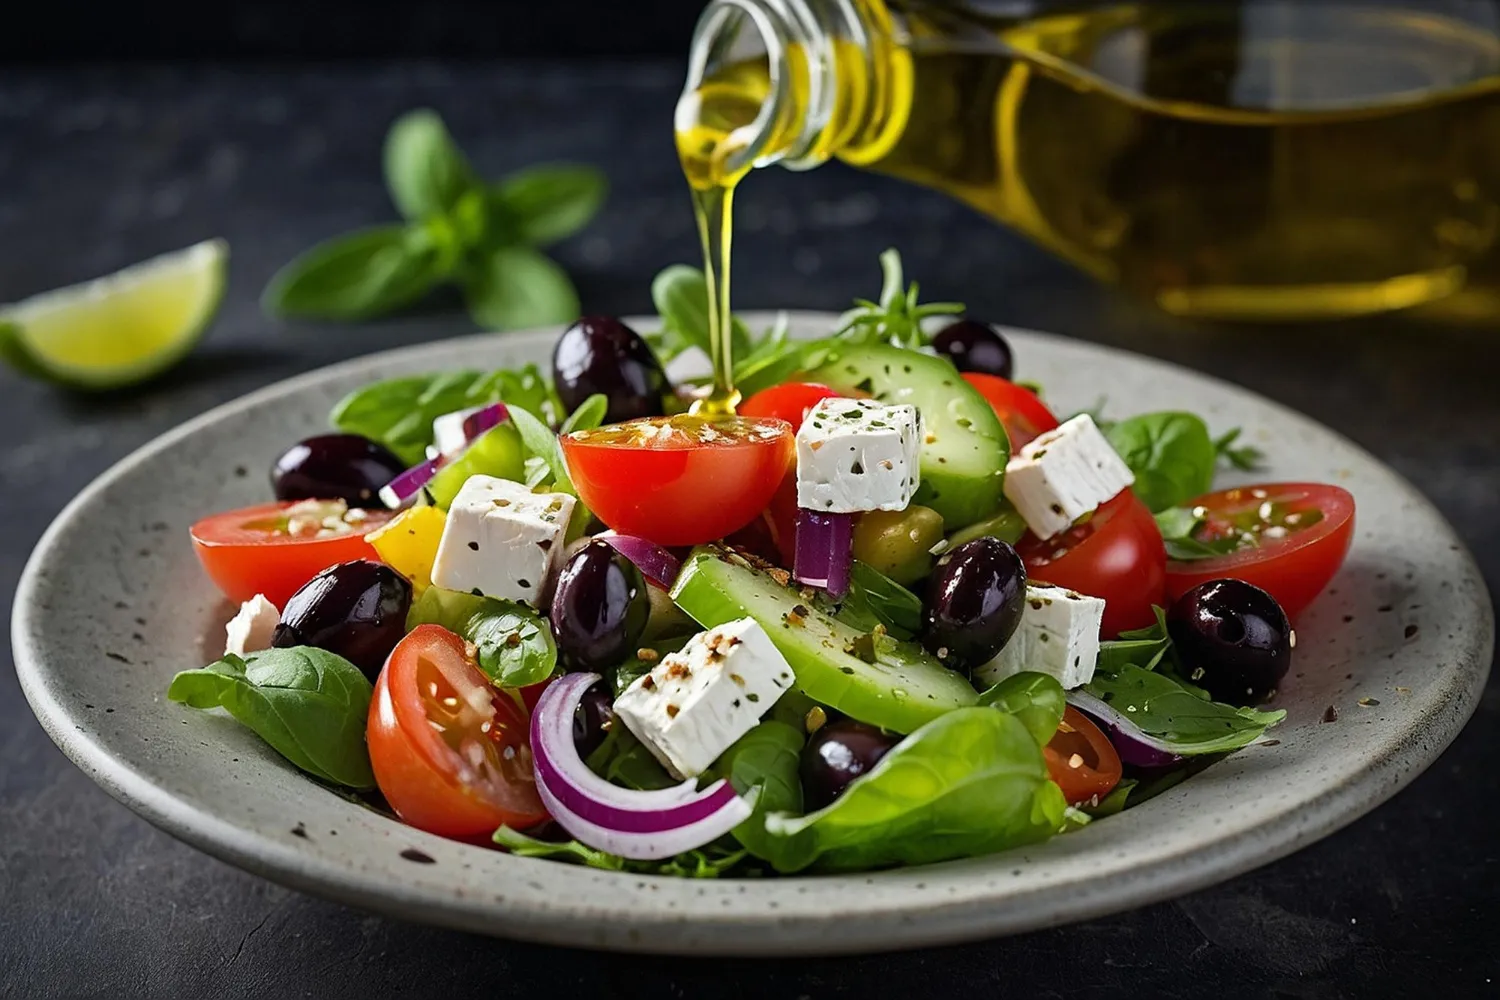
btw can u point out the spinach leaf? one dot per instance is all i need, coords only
(704, 862)
(874, 599)
(624, 760)
(514, 644)
(970, 782)
(425, 172)
(626, 673)
(1171, 711)
(514, 287)
(1038, 700)
(356, 276)
(765, 758)
(1171, 454)
(680, 294)
(308, 704)
(1145, 648)
(399, 412)
(540, 205)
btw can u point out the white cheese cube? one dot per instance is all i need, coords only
(1058, 635)
(856, 454)
(250, 631)
(501, 540)
(1063, 475)
(699, 700)
(448, 436)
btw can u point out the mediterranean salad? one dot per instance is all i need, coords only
(895, 609)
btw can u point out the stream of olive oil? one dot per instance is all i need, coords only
(1239, 159)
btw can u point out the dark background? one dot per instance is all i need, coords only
(127, 131)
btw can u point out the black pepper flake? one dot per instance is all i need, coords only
(1331, 714)
(847, 670)
(1411, 630)
(523, 583)
(473, 546)
(476, 591)
(420, 857)
(299, 831)
(545, 544)
(117, 657)
(857, 469)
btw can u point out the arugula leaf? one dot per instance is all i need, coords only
(897, 318)
(1037, 699)
(1165, 708)
(308, 704)
(970, 782)
(705, 862)
(874, 599)
(1246, 458)
(625, 761)
(516, 287)
(514, 644)
(767, 758)
(540, 205)
(590, 414)
(356, 276)
(1171, 454)
(543, 444)
(425, 172)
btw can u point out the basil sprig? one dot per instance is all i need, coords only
(458, 229)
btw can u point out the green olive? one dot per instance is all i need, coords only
(1006, 526)
(898, 542)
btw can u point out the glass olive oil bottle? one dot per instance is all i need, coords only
(1234, 159)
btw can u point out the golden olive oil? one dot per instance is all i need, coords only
(1238, 159)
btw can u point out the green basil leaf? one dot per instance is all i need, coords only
(680, 294)
(1246, 458)
(706, 862)
(1165, 708)
(1143, 647)
(308, 704)
(357, 276)
(1038, 700)
(765, 758)
(625, 761)
(515, 287)
(971, 782)
(1171, 454)
(875, 599)
(514, 645)
(425, 172)
(543, 204)
(590, 414)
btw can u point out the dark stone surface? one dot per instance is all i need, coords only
(99, 169)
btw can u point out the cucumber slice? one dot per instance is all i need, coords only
(964, 454)
(902, 690)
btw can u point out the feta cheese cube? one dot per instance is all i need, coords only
(250, 631)
(1063, 475)
(448, 432)
(856, 454)
(699, 700)
(1059, 635)
(501, 540)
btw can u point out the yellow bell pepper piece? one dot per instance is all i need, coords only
(409, 543)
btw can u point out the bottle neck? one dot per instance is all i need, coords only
(793, 82)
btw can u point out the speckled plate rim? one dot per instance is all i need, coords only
(1129, 861)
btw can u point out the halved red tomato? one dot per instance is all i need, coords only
(1294, 535)
(1081, 759)
(451, 754)
(260, 550)
(680, 480)
(1024, 415)
(1117, 554)
(790, 401)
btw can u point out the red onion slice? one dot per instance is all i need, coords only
(632, 824)
(1134, 746)
(409, 484)
(655, 562)
(484, 419)
(825, 550)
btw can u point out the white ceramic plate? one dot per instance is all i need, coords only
(112, 604)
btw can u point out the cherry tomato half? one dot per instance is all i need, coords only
(1024, 415)
(1297, 536)
(790, 401)
(451, 754)
(1081, 759)
(680, 480)
(252, 551)
(1117, 554)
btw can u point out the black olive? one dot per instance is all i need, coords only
(975, 346)
(344, 467)
(837, 754)
(592, 719)
(355, 609)
(974, 601)
(1232, 639)
(599, 608)
(599, 354)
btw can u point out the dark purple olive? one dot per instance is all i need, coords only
(975, 346)
(599, 609)
(837, 754)
(355, 609)
(343, 467)
(599, 354)
(592, 719)
(1233, 640)
(974, 601)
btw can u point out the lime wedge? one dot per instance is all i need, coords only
(120, 329)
